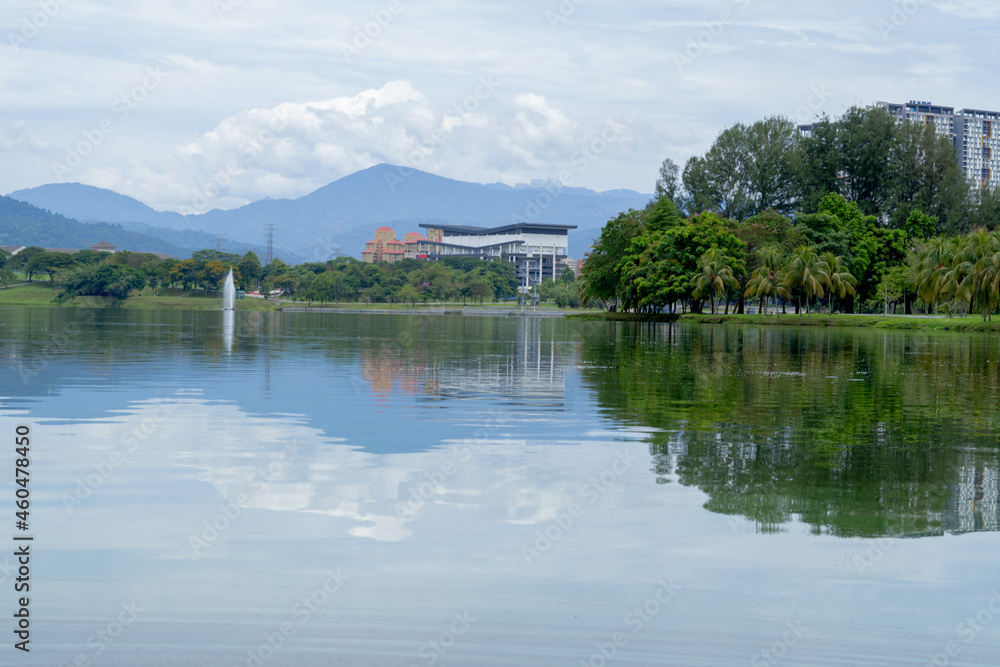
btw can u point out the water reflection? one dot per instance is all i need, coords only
(228, 324)
(855, 433)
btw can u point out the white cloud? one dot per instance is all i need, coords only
(971, 9)
(228, 74)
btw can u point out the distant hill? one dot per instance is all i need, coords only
(24, 224)
(89, 204)
(341, 216)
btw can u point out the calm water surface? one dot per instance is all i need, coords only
(293, 489)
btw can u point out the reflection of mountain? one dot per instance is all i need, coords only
(522, 359)
(855, 434)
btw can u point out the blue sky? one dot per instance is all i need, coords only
(252, 98)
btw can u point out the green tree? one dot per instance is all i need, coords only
(715, 276)
(251, 270)
(804, 276)
(212, 274)
(669, 183)
(601, 279)
(838, 278)
(22, 261)
(868, 139)
(766, 280)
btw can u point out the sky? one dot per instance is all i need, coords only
(195, 104)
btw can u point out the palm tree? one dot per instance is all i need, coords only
(804, 275)
(839, 279)
(979, 262)
(766, 279)
(935, 263)
(716, 274)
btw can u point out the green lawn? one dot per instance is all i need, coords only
(40, 294)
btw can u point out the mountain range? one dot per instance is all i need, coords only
(338, 218)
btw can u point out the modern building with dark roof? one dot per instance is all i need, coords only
(539, 250)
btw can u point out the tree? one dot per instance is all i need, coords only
(818, 164)
(22, 261)
(927, 177)
(184, 272)
(601, 279)
(104, 279)
(804, 276)
(838, 279)
(6, 276)
(251, 270)
(868, 138)
(478, 289)
(49, 262)
(892, 287)
(408, 294)
(668, 184)
(979, 263)
(766, 280)
(661, 266)
(747, 170)
(212, 255)
(716, 274)
(212, 275)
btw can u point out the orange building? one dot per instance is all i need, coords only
(415, 246)
(385, 247)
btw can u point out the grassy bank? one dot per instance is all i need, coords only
(968, 323)
(40, 294)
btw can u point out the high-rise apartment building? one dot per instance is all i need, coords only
(974, 133)
(970, 130)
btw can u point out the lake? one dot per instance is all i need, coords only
(314, 489)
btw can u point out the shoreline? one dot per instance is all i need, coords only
(893, 322)
(39, 295)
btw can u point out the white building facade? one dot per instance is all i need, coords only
(538, 250)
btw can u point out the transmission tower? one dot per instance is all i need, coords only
(219, 240)
(270, 245)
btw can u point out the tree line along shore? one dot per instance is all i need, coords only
(860, 215)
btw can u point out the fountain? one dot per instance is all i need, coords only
(229, 293)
